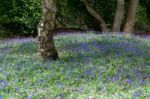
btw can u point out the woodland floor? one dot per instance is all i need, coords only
(103, 66)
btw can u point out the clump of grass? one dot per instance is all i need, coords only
(102, 66)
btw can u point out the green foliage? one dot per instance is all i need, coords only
(107, 9)
(20, 15)
(71, 10)
(142, 20)
(141, 15)
(103, 66)
(6, 10)
(146, 5)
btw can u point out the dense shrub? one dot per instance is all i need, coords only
(142, 19)
(20, 16)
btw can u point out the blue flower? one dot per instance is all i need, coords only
(29, 97)
(60, 96)
(141, 81)
(128, 81)
(3, 84)
(136, 94)
(148, 96)
(115, 78)
(89, 73)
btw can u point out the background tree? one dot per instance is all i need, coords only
(45, 30)
(20, 17)
(93, 13)
(130, 18)
(118, 16)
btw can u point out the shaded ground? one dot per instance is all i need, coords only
(68, 31)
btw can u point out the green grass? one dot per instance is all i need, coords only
(103, 66)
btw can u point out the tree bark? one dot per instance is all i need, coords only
(130, 19)
(118, 16)
(93, 13)
(45, 30)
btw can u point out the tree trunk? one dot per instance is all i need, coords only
(130, 19)
(45, 30)
(118, 16)
(93, 13)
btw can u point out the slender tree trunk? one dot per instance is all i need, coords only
(45, 30)
(93, 13)
(118, 16)
(130, 19)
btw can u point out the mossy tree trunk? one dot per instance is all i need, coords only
(45, 30)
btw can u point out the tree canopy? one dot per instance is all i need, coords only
(23, 16)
